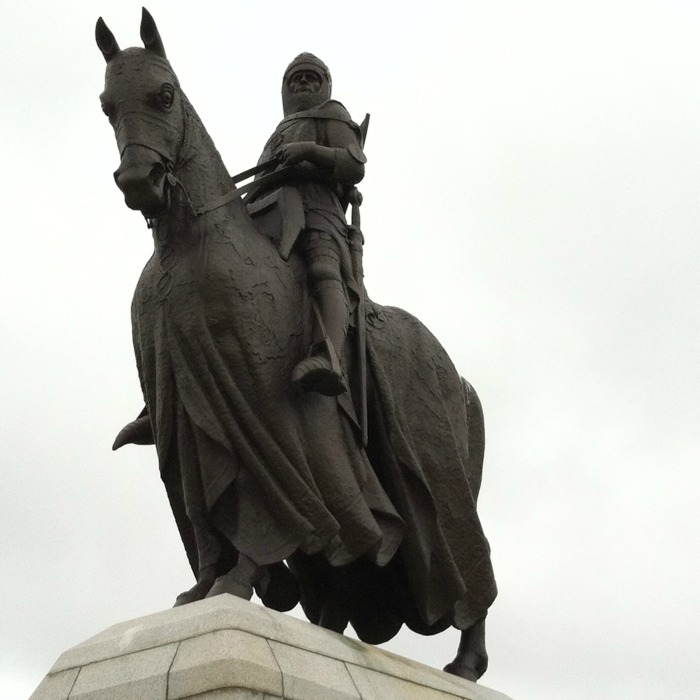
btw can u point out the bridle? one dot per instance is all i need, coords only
(270, 176)
(247, 191)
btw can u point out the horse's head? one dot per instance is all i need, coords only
(146, 109)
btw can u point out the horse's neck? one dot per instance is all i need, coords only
(202, 178)
(201, 171)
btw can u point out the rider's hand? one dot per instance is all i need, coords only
(293, 153)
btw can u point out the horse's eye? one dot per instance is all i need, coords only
(166, 96)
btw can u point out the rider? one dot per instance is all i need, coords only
(318, 138)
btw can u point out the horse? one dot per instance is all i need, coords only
(273, 489)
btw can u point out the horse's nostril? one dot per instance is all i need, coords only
(142, 184)
(157, 173)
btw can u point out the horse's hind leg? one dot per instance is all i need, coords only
(278, 588)
(471, 660)
(274, 583)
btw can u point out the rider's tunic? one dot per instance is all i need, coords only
(323, 197)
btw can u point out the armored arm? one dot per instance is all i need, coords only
(337, 149)
(344, 165)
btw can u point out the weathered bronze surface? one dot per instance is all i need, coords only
(294, 419)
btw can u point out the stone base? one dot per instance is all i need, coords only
(225, 648)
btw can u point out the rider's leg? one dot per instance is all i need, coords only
(321, 371)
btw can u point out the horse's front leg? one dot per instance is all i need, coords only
(239, 581)
(205, 580)
(471, 660)
(275, 584)
(208, 553)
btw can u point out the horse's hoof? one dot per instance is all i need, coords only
(197, 592)
(463, 671)
(184, 598)
(228, 584)
(315, 374)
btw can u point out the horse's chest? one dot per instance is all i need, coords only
(226, 298)
(189, 292)
(165, 281)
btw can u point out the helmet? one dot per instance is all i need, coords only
(306, 61)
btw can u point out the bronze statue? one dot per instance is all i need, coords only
(319, 138)
(294, 419)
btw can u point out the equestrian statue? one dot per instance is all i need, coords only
(315, 446)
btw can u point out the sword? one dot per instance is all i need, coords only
(356, 243)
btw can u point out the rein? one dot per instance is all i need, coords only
(251, 189)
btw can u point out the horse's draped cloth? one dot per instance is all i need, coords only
(215, 351)
(219, 323)
(425, 419)
(219, 320)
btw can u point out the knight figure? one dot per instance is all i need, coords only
(317, 152)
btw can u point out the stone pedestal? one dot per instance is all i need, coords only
(225, 648)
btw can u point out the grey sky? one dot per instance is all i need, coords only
(532, 195)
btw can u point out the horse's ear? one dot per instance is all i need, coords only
(149, 34)
(105, 40)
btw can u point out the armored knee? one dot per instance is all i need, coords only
(324, 270)
(322, 258)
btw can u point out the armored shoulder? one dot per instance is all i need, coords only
(332, 109)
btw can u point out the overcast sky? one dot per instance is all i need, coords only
(532, 195)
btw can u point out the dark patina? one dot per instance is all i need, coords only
(315, 446)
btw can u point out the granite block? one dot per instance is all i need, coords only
(311, 676)
(224, 659)
(140, 675)
(56, 686)
(225, 648)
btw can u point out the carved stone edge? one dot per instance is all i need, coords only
(225, 647)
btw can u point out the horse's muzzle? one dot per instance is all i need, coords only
(143, 185)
